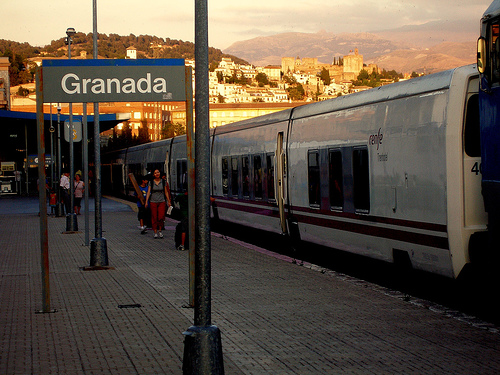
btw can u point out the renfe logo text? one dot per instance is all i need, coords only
(73, 84)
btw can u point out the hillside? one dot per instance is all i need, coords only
(113, 46)
(325, 46)
(447, 55)
(430, 47)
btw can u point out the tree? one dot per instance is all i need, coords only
(23, 91)
(220, 77)
(325, 76)
(143, 133)
(296, 92)
(262, 78)
(167, 131)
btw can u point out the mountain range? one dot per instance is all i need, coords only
(426, 48)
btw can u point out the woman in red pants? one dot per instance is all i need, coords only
(156, 198)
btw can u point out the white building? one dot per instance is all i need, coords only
(131, 53)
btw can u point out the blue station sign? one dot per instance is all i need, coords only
(110, 80)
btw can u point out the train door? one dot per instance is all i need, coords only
(280, 180)
(475, 214)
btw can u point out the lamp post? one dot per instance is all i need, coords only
(71, 221)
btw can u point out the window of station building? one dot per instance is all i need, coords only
(472, 144)
(245, 171)
(234, 177)
(225, 176)
(313, 178)
(270, 176)
(336, 179)
(257, 172)
(360, 173)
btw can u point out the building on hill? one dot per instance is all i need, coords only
(273, 72)
(131, 53)
(4, 83)
(353, 64)
(305, 67)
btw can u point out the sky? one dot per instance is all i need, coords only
(38, 22)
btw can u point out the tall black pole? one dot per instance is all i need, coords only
(71, 220)
(202, 347)
(59, 206)
(98, 245)
(42, 194)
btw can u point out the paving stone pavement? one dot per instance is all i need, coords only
(275, 317)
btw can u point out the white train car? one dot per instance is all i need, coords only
(390, 173)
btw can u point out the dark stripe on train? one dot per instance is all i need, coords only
(268, 209)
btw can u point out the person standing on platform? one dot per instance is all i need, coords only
(157, 197)
(64, 185)
(142, 214)
(182, 228)
(78, 193)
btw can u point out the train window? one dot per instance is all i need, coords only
(257, 172)
(494, 55)
(361, 179)
(313, 178)
(234, 177)
(270, 176)
(245, 170)
(472, 145)
(181, 175)
(335, 174)
(225, 176)
(152, 166)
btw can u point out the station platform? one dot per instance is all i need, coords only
(275, 316)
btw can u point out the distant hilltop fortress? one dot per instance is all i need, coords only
(346, 69)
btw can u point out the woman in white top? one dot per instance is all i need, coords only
(156, 198)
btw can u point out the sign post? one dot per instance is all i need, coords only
(95, 81)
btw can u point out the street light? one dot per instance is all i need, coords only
(70, 31)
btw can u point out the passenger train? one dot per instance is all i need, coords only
(393, 173)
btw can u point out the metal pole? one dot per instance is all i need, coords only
(85, 151)
(98, 245)
(42, 195)
(191, 181)
(71, 219)
(59, 209)
(51, 129)
(26, 166)
(202, 345)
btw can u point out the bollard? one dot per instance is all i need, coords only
(202, 351)
(59, 209)
(71, 223)
(98, 253)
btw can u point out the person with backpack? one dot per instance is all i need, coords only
(142, 214)
(182, 228)
(156, 199)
